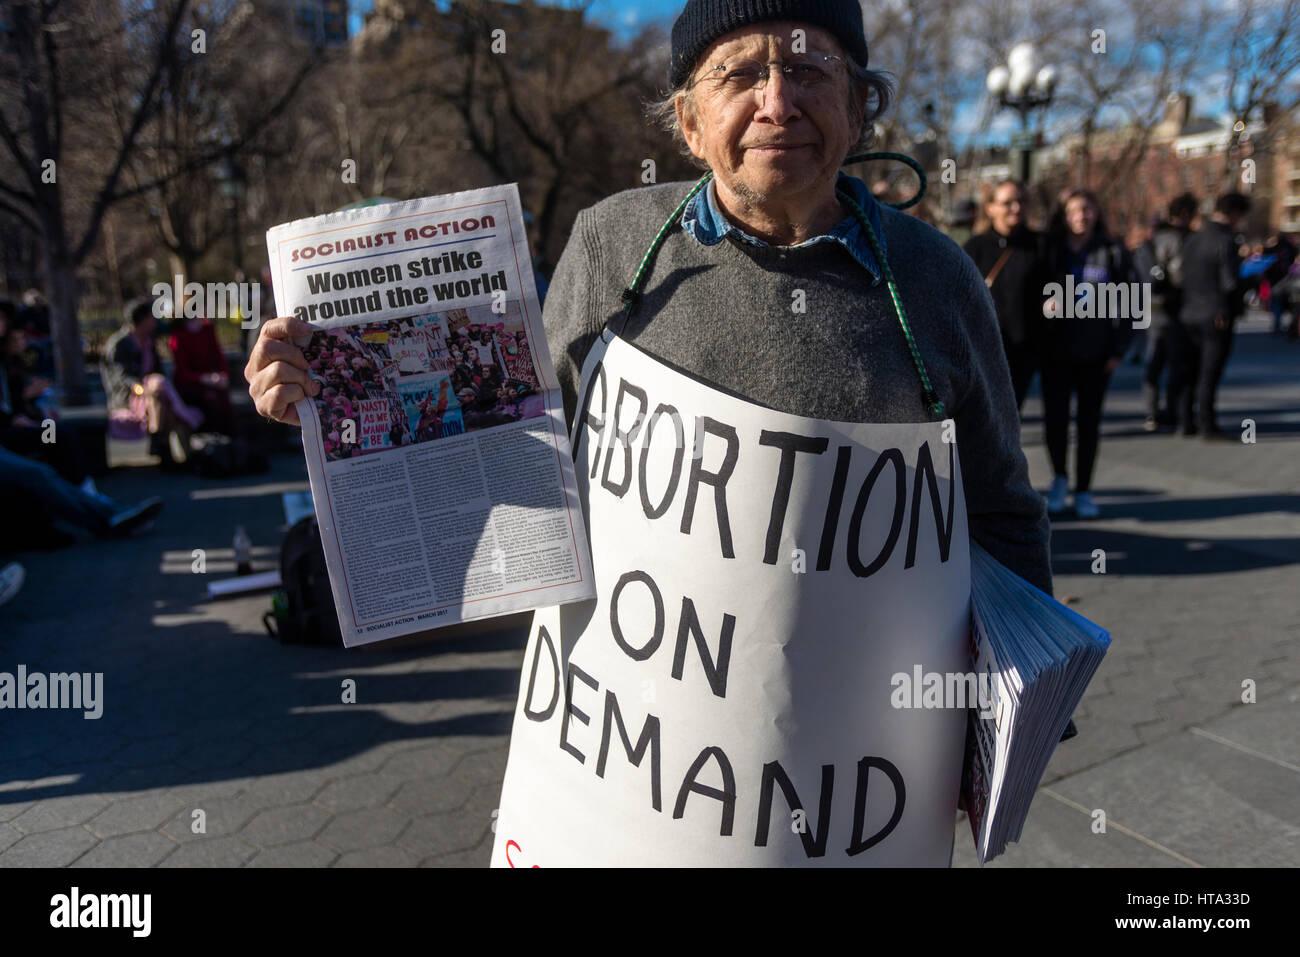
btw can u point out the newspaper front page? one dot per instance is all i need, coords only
(439, 461)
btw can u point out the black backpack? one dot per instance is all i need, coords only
(219, 456)
(303, 612)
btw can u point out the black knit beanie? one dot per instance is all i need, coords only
(703, 21)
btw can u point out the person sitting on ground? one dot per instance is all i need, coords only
(68, 508)
(140, 399)
(200, 372)
(24, 427)
(11, 581)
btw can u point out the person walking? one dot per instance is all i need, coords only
(1212, 301)
(1083, 344)
(1012, 259)
(1159, 261)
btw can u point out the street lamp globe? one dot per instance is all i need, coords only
(1023, 64)
(1023, 58)
(998, 79)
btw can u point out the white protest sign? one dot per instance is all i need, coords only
(725, 700)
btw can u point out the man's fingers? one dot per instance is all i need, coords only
(274, 350)
(270, 388)
(280, 401)
(285, 328)
(283, 373)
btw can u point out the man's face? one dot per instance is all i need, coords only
(1006, 212)
(778, 140)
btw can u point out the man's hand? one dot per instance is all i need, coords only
(1112, 364)
(277, 369)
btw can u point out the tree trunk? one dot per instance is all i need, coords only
(61, 291)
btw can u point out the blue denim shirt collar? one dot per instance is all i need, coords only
(703, 220)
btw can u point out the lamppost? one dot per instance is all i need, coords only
(1024, 86)
(233, 184)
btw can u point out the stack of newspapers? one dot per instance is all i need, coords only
(1033, 658)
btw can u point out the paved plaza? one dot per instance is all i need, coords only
(205, 713)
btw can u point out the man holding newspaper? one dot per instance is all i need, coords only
(820, 356)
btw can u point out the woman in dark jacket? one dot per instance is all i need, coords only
(1083, 341)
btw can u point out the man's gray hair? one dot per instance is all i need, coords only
(871, 91)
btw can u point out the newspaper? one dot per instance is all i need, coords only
(438, 457)
(1034, 658)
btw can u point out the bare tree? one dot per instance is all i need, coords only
(1263, 65)
(103, 103)
(54, 70)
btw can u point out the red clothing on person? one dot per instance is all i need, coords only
(195, 353)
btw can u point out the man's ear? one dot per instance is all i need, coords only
(688, 121)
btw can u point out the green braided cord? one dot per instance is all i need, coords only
(906, 161)
(650, 253)
(931, 398)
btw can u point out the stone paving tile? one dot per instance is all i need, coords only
(10, 811)
(213, 852)
(358, 791)
(437, 835)
(300, 854)
(223, 816)
(281, 789)
(1211, 803)
(363, 830)
(59, 812)
(50, 848)
(132, 814)
(431, 795)
(388, 856)
(9, 835)
(132, 850)
(285, 825)
(1056, 835)
(478, 856)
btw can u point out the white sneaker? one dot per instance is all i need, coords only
(11, 581)
(1056, 497)
(1084, 506)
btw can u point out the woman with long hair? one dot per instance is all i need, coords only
(1083, 344)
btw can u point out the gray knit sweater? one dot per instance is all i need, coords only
(723, 314)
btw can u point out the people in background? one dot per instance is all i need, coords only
(26, 428)
(1159, 261)
(1079, 354)
(1213, 294)
(1012, 259)
(200, 372)
(140, 398)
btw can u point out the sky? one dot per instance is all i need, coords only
(622, 16)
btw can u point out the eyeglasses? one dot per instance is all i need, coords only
(738, 77)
